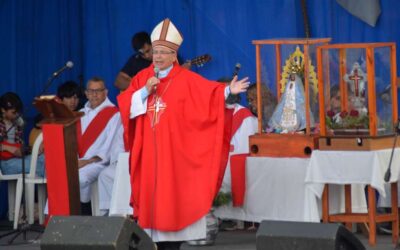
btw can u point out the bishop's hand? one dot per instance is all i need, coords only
(151, 84)
(240, 86)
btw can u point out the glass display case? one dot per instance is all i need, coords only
(357, 95)
(287, 97)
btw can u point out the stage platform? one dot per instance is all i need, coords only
(232, 240)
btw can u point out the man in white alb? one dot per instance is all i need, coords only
(96, 131)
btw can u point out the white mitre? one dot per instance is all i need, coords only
(166, 34)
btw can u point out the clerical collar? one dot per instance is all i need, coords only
(165, 72)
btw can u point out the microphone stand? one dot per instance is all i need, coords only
(48, 84)
(388, 171)
(24, 227)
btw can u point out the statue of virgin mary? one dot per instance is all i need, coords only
(290, 113)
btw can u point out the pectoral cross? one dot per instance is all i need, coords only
(356, 78)
(155, 109)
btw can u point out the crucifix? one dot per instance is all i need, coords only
(356, 78)
(156, 108)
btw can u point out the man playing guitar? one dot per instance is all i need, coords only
(11, 126)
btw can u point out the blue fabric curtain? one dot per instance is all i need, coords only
(37, 38)
(40, 36)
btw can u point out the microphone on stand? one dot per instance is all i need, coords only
(236, 70)
(67, 65)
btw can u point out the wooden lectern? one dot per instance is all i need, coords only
(61, 154)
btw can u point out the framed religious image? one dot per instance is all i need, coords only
(357, 95)
(287, 97)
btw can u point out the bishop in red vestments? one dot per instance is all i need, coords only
(174, 122)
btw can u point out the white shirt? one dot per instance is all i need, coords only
(240, 140)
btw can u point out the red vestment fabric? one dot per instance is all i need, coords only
(237, 121)
(94, 129)
(238, 178)
(238, 162)
(56, 169)
(176, 165)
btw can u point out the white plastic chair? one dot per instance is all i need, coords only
(94, 199)
(30, 181)
(12, 182)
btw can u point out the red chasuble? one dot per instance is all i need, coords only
(177, 148)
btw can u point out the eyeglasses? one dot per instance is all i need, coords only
(162, 52)
(94, 91)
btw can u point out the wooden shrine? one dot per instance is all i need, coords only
(357, 96)
(284, 55)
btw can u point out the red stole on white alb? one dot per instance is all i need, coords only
(95, 128)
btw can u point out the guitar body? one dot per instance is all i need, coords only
(7, 149)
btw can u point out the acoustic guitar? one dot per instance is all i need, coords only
(7, 150)
(199, 61)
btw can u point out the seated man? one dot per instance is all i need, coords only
(244, 124)
(96, 131)
(11, 138)
(106, 177)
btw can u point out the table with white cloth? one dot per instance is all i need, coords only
(351, 167)
(276, 190)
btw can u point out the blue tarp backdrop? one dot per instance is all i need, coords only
(40, 36)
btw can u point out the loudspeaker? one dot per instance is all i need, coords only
(94, 232)
(284, 235)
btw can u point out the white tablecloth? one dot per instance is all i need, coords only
(276, 190)
(347, 167)
(122, 188)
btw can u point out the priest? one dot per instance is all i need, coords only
(95, 131)
(174, 123)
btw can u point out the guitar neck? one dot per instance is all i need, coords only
(200, 60)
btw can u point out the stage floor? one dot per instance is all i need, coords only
(232, 240)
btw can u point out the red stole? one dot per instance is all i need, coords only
(237, 121)
(238, 162)
(175, 166)
(94, 129)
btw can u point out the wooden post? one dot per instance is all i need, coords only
(259, 103)
(371, 92)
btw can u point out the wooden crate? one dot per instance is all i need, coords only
(283, 145)
(362, 143)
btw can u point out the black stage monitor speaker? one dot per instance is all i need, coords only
(100, 233)
(285, 235)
